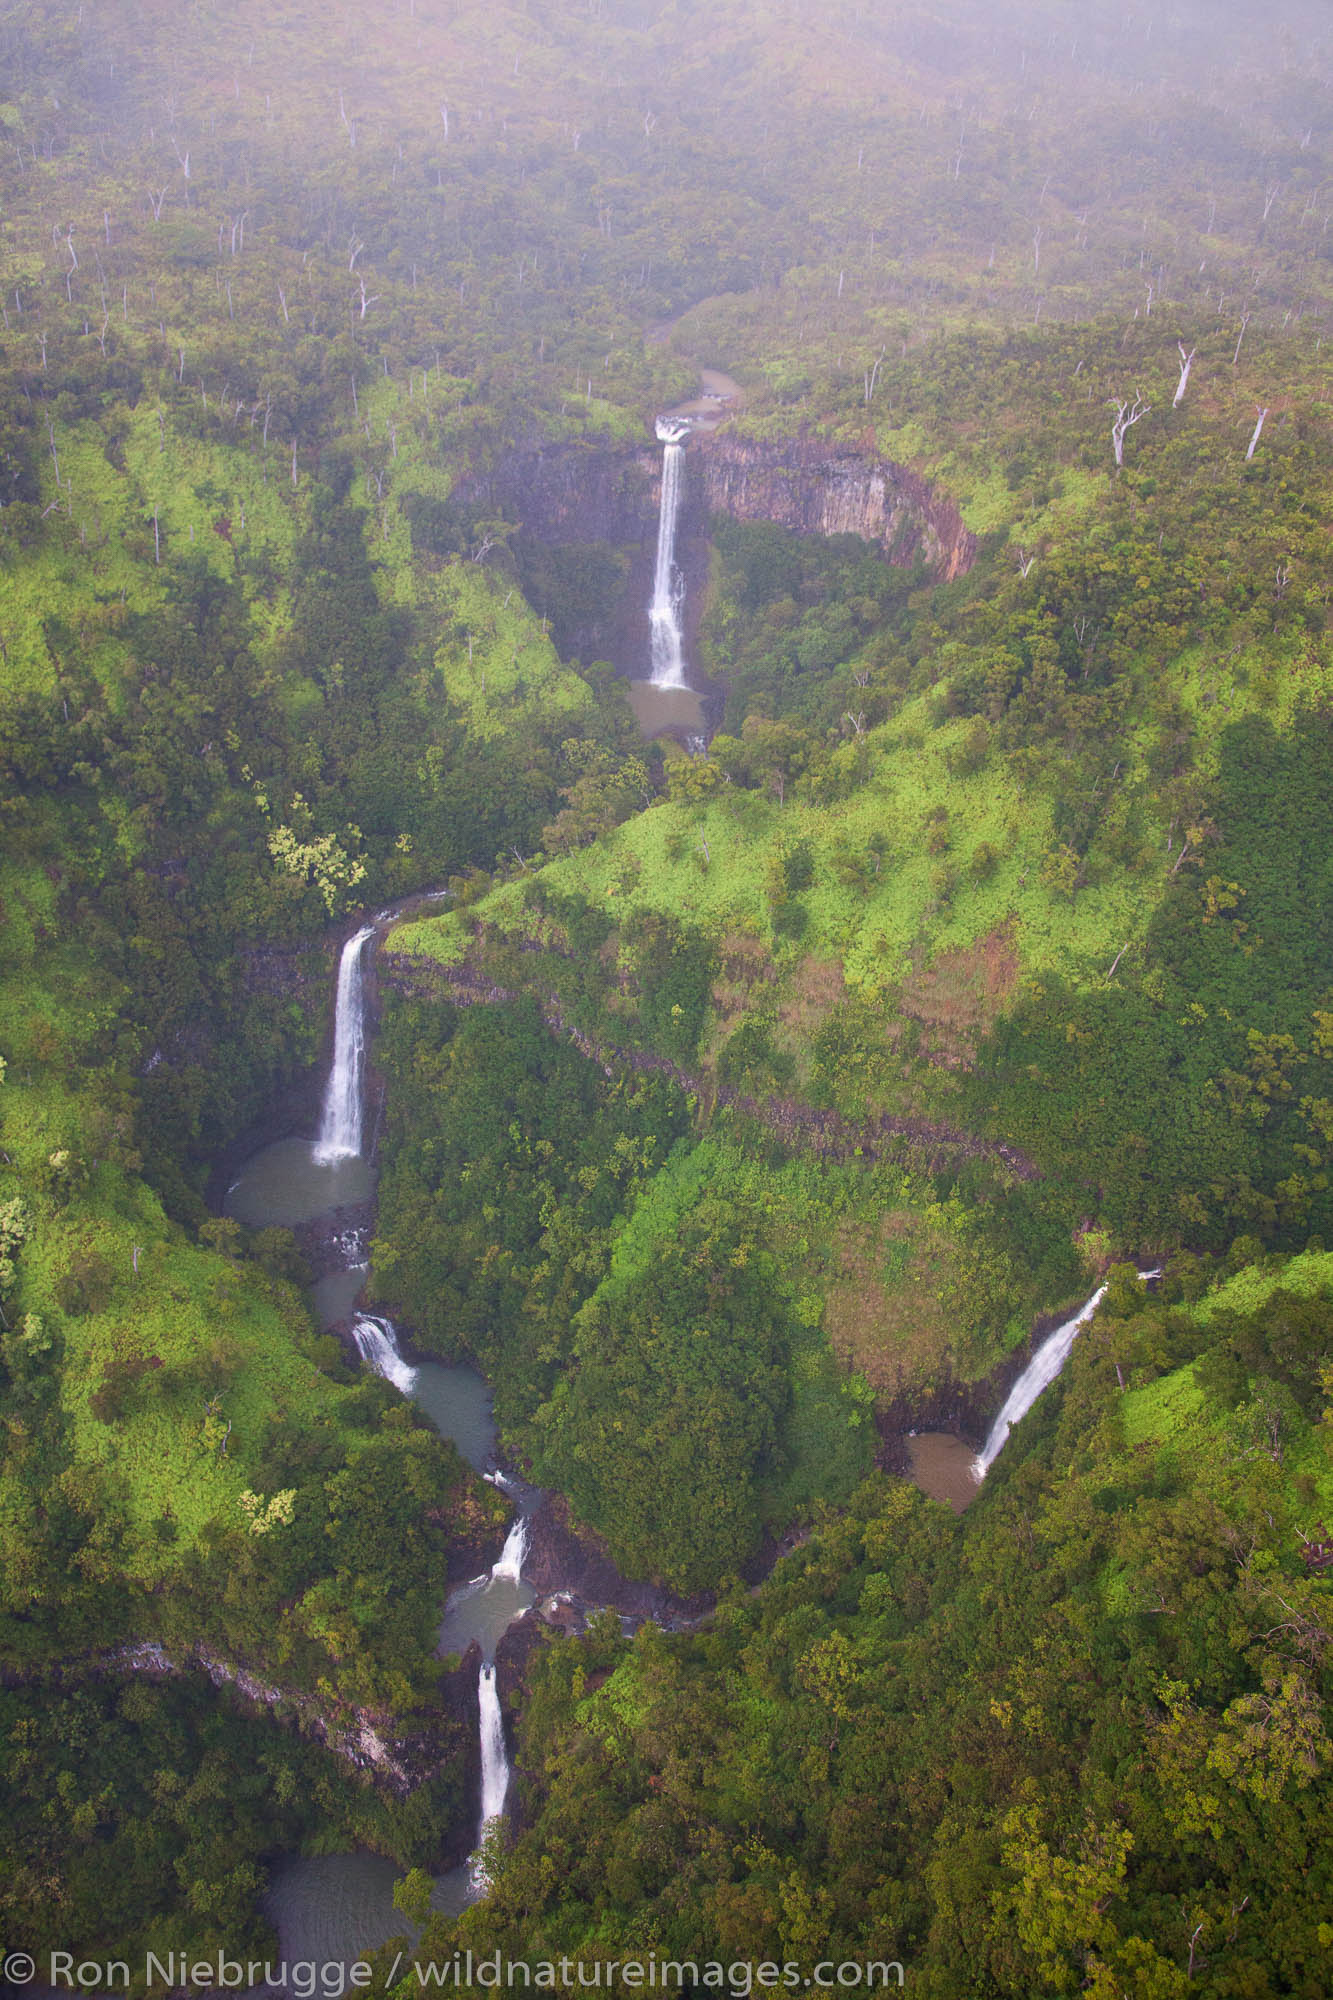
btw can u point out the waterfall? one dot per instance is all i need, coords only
(494, 1769)
(378, 1348)
(667, 639)
(340, 1125)
(1039, 1374)
(510, 1563)
(494, 1761)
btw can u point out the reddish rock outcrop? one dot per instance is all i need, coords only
(815, 487)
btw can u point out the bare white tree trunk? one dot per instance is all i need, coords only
(1258, 433)
(1126, 416)
(1244, 322)
(1186, 363)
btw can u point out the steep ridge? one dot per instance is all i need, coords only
(823, 1132)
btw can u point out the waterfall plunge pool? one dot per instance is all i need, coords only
(484, 1609)
(286, 1185)
(328, 1909)
(668, 711)
(944, 1467)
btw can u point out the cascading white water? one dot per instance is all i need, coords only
(494, 1758)
(1039, 1374)
(510, 1563)
(340, 1125)
(377, 1345)
(667, 653)
(494, 1768)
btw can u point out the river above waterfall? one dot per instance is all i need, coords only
(333, 1297)
(458, 1402)
(719, 397)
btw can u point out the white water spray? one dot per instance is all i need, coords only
(667, 639)
(494, 1767)
(510, 1564)
(378, 1347)
(494, 1758)
(1039, 1374)
(340, 1125)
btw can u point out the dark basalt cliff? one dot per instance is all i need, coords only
(570, 495)
(566, 493)
(814, 487)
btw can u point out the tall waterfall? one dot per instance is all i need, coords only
(494, 1767)
(1039, 1374)
(340, 1125)
(378, 1348)
(667, 639)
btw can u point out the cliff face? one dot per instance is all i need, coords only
(568, 493)
(816, 488)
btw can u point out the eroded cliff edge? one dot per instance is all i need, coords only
(816, 487)
(575, 492)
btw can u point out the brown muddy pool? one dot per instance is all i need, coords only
(942, 1466)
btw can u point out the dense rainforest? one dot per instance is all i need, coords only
(746, 1101)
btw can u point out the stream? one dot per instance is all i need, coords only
(329, 1908)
